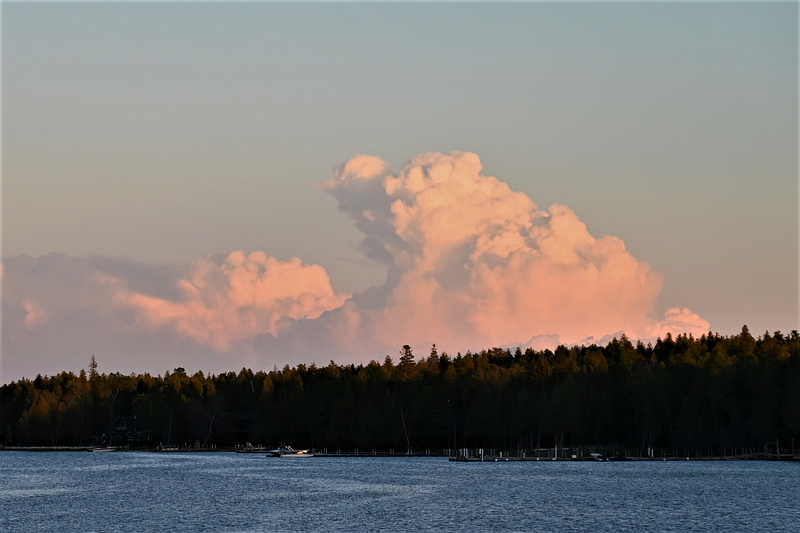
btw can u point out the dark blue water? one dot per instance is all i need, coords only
(227, 492)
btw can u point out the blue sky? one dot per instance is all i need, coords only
(162, 133)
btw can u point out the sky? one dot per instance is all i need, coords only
(219, 185)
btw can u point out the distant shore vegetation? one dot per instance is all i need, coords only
(712, 392)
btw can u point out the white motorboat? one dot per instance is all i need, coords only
(288, 451)
(101, 449)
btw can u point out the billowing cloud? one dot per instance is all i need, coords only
(470, 264)
(216, 313)
(234, 298)
(678, 320)
(473, 263)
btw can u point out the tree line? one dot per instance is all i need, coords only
(712, 392)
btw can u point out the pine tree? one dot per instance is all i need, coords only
(406, 361)
(92, 368)
(406, 356)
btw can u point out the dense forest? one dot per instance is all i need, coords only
(705, 393)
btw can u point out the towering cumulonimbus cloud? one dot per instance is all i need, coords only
(470, 263)
(474, 263)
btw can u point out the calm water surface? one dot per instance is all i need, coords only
(227, 492)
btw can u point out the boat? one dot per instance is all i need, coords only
(101, 449)
(597, 457)
(288, 451)
(249, 448)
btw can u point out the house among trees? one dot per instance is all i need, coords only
(237, 427)
(126, 430)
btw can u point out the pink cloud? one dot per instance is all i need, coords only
(235, 298)
(35, 315)
(477, 264)
(678, 320)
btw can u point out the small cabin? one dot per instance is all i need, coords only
(126, 429)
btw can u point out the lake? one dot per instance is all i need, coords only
(228, 492)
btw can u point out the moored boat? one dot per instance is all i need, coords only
(288, 451)
(101, 449)
(249, 448)
(596, 457)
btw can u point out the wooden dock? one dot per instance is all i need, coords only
(556, 454)
(44, 448)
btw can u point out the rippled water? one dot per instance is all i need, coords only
(244, 493)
